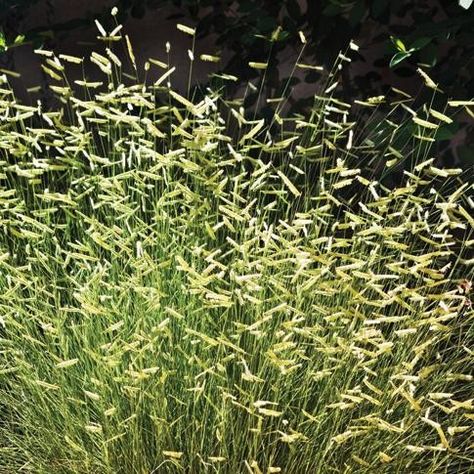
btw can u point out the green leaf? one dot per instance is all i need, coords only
(20, 39)
(420, 43)
(446, 131)
(3, 43)
(398, 44)
(429, 55)
(399, 57)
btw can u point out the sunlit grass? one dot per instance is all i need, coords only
(187, 289)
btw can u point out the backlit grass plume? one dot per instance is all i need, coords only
(186, 288)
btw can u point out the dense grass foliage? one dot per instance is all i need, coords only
(185, 288)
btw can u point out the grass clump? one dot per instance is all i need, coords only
(188, 289)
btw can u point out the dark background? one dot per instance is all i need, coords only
(395, 38)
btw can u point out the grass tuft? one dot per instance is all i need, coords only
(186, 288)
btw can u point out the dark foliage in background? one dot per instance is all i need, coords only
(437, 35)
